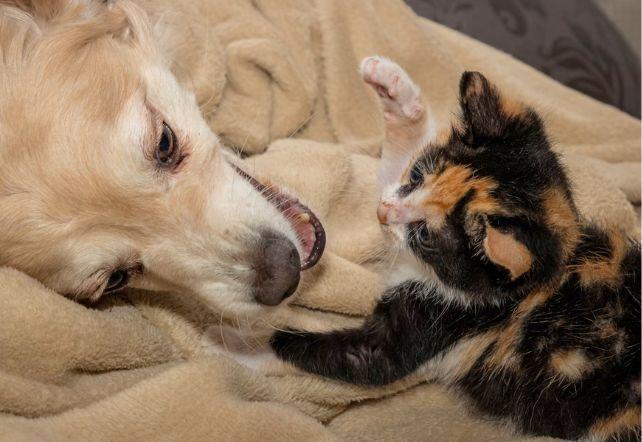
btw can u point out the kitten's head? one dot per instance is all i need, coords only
(487, 206)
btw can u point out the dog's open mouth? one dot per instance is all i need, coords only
(307, 226)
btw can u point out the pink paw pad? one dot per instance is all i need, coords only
(401, 98)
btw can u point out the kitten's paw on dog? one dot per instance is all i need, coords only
(288, 343)
(400, 96)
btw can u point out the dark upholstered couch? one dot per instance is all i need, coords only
(573, 41)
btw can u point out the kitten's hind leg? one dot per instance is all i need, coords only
(409, 125)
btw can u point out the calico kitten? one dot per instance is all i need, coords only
(506, 293)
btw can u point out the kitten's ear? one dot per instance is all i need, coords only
(484, 110)
(505, 250)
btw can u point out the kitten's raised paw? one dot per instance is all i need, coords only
(400, 96)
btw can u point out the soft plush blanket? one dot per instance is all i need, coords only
(278, 78)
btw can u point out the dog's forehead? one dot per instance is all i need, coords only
(79, 135)
(57, 158)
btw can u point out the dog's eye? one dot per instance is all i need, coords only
(117, 280)
(167, 149)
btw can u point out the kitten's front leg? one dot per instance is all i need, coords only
(408, 121)
(390, 345)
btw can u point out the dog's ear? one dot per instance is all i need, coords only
(485, 112)
(42, 9)
(121, 18)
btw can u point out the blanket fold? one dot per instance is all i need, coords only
(278, 80)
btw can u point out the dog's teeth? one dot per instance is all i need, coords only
(304, 217)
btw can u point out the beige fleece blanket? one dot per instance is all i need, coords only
(280, 77)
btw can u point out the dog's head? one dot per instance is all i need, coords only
(109, 175)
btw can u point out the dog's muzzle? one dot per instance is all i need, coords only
(277, 262)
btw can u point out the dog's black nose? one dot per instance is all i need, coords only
(278, 267)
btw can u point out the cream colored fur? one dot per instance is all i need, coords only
(85, 89)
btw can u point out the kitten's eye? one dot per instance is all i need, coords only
(117, 281)
(415, 176)
(423, 233)
(167, 149)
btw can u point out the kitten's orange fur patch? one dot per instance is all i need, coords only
(572, 364)
(561, 219)
(604, 271)
(447, 189)
(621, 421)
(504, 354)
(503, 249)
(460, 360)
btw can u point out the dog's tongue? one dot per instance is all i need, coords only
(309, 231)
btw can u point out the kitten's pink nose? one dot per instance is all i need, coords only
(395, 212)
(382, 212)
